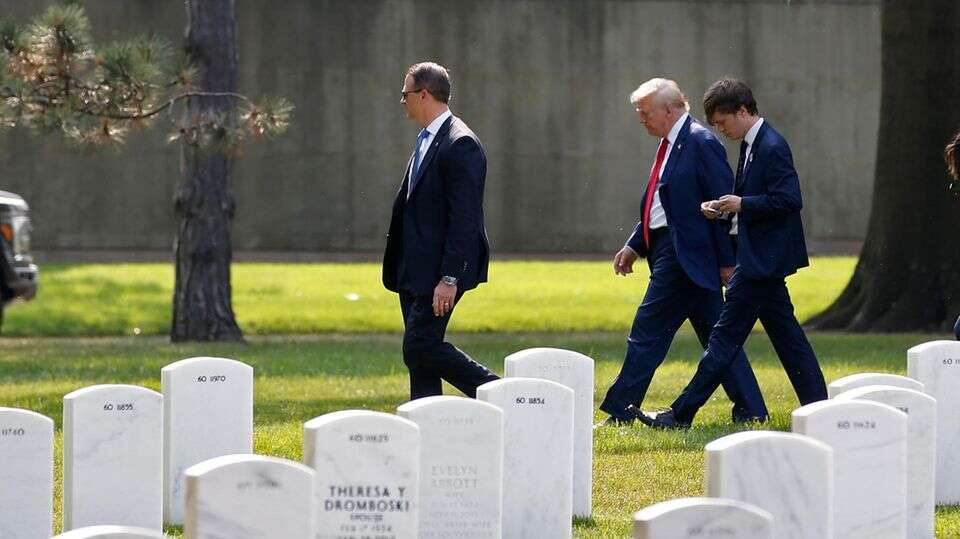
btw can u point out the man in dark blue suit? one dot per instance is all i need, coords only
(767, 206)
(437, 244)
(689, 257)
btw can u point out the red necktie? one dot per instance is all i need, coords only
(651, 187)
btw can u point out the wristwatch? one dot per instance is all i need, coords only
(452, 281)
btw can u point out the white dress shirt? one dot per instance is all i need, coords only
(747, 157)
(432, 130)
(658, 217)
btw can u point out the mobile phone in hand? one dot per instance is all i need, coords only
(708, 209)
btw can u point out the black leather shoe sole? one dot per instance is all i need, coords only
(662, 420)
(613, 422)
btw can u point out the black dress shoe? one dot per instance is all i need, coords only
(613, 422)
(658, 420)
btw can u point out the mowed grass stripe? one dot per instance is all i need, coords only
(273, 299)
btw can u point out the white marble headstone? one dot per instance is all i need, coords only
(537, 455)
(208, 412)
(921, 410)
(26, 474)
(110, 532)
(869, 442)
(367, 467)
(249, 497)
(575, 371)
(788, 475)
(461, 466)
(113, 457)
(937, 365)
(702, 518)
(861, 379)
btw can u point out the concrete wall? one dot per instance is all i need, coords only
(543, 83)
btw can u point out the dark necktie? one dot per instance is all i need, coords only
(415, 167)
(740, 166)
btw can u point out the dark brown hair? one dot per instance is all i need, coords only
(726, 96)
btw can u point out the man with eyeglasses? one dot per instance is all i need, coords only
(437, 244)
(690, 258)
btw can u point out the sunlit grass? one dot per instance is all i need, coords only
(298, 378)
(272, 299)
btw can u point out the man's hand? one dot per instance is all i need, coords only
(709, 209)
(725, 274)
(623, 261)
(444, 296)
(729, 203)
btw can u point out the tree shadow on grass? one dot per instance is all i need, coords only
(584, 522)
(133, 358)
(282, 411)
(637, 438)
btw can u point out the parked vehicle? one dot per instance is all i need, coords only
(18, 274)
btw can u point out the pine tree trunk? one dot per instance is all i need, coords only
(908, 276)
(202, 309)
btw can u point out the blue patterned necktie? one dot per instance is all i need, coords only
(416, 157)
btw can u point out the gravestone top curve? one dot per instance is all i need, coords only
(233, 460)
(858, 392)
(353, 415)
(101, 388)
(111, 532)
(24, 413)
(541, 351)
(446, 400)
(840, 406)
(204, 360)
(931, 346)
(519, 380)
(668, 506)
(753, 436)
(872, 378)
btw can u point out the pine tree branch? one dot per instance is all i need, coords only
(170, 102)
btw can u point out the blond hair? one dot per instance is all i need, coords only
(665, 92)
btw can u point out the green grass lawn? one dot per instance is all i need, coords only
(298, 378)
(324, 337)
(273, 299)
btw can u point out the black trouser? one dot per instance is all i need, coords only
(670, 299)
(747, 301)
(429, 358)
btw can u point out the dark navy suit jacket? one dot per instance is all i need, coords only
(769, 228)
(438, 230)
(696, 171)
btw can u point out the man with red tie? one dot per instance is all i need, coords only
(690, 257)
(771, 247)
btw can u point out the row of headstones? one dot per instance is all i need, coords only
(125, 448)
(871, 462)
(483, 466)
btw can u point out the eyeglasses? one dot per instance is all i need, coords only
(403, 94)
